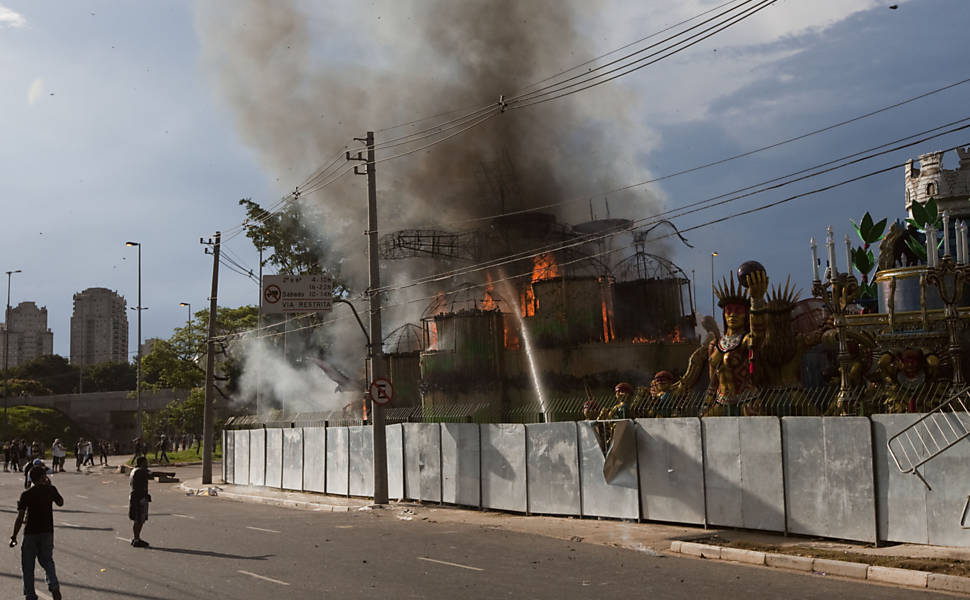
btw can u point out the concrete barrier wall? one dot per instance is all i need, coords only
(828, 477)
(257, 457)
(671, 462)
(293, 459)
(361, 460)
(504, 467)
(422, 461)
(619, 498)
(460, 464)
(338, 466)
(274, 458)
(743, 472)
(553, 467)
(315, 459)
(242, 458)
(395, 461)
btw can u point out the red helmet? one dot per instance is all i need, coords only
(663, 376)
(623, 387)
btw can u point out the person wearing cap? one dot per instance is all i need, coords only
(38, 465)
(35, 508)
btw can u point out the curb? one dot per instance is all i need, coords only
(315, 506)
(824, 566)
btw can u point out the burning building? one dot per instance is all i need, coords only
(553, 322)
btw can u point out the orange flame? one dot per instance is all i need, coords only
(432, 335)
(545, 267)
(528, 302)
(488, 302)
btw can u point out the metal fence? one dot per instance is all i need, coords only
(884, 398)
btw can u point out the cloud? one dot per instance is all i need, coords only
(9, 18)
(36, 91)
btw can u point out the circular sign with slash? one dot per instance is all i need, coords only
(381, 391)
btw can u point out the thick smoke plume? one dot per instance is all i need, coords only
(302, 79)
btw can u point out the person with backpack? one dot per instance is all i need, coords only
(35, 508)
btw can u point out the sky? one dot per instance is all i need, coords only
(149, 121)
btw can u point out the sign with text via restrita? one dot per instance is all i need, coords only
(284, 294)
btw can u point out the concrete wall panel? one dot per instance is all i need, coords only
(314, 459)
(901, 497)
(553, 466)
(620, 498)
(460, 462)
(242, 457)
(361, 460)
(743, 472)
(395, 461)
(670, 457)
(257, 457)
(422, 461)
(274, 458)
(229, 456)
(828, 477)
(503, 467)
(293, 459)
(338, 452)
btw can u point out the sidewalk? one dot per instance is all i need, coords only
(934, 567)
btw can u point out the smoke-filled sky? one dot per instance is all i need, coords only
(149, 121)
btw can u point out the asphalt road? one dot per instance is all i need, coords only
(211, 548)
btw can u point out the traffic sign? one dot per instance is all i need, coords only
(297, 294)
(381, 391)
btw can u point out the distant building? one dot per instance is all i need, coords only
(99, 327)
(29, 336)
(149, 345)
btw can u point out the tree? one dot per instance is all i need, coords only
(293, 247)
(179, 362)
(53, 372)
(110, 377)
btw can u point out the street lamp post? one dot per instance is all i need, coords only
(713, 254)
(138, 355)
(188, 322)
(6, 353)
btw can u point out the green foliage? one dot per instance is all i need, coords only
(26, 387)
(864, 261)
(40, 424)
(867, 231)
(917, 248)
(110, 377)
(925, 216)
(52, 372)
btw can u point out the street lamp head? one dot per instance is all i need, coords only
(184, 304)
(12, 272)
(132, 244)
(713, 253)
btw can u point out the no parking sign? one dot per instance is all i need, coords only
(381, 391)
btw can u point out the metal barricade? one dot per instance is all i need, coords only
(934, 433)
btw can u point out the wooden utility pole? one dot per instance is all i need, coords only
(376, 347)
(210, 365)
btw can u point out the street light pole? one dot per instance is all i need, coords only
(188, 322)
(713, 254)
(138, 355)
(6, 353)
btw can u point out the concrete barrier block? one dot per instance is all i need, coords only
(841, 568)
(675, 546)
(702, 550)
(898, 576)
(950, 583)
(787, 561)
(752, 557)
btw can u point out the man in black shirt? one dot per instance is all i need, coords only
(35, 506)
(138, 500)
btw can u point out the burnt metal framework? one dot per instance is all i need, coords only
(432, 243)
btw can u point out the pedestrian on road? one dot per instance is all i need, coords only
(138, 500)
(139, 447)
(37, 464)
(58, 452)
(88, 450)
(35, 508)
(6, 457)
(78, 454)
(103, 450)
(163, 448)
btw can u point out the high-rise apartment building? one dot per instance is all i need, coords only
(29, 336)
(99, 327)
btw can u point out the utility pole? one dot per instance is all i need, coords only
(210, 365)
(375, 350)
(6, 354)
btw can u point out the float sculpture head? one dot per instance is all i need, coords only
(733, 301)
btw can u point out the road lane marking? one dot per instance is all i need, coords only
(183, 516)
(43, 595)
(450, 564)
(123, 539)
(270, 579)
(345, 526)
(80, 496)
(261, 529)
